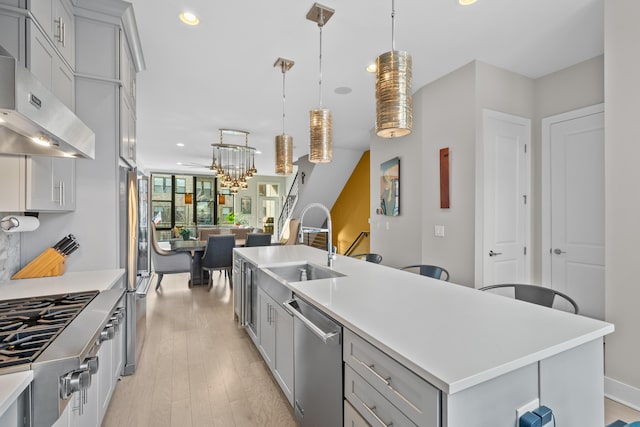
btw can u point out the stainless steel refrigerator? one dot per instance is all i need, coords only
(135, 259)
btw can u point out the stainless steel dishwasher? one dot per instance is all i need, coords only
(317, 365)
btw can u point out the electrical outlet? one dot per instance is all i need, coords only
(534, 404)
(438, 231)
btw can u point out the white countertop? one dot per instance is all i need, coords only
(81, 281)
(11, 385)
(453, 336)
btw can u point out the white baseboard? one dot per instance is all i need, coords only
(622, 393)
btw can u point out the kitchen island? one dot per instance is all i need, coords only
(487, 355)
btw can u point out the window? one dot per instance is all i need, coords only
(268, 189)
(162, 184)
(182, 201)
(181, 185)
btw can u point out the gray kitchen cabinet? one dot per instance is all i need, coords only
(127, 70)
(13, 191)
(352, 418)
(383, 390)
(127, 130)
(283, 361)
(275, 332)
(12, 30)
(50, 184)
(107, 358)
(37, 184)
(48, 67)
(55, 17)
(267, 328)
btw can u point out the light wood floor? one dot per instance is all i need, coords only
(198, 369)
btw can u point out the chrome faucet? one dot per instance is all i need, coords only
(331, 253)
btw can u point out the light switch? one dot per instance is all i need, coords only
(439, 231)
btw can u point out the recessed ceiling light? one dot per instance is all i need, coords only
(258, 152)
(372, 67)
(180, 144)
(342, 90)
(189, 18)
(179, 163)
(466, 2)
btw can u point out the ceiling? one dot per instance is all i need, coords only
(220, 73)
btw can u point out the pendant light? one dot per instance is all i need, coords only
(284, 142)
(320, 127)
(394, 116)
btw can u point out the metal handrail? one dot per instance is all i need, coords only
(289, 205)
(356, 242)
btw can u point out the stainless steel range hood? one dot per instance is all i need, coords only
(33, 121)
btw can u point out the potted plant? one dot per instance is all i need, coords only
(185, 233)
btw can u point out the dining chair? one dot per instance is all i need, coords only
(294, 228)
(370, 257)
(218, 256)
(535, 294)
(167, 262)
(258, 239)
(430, 271)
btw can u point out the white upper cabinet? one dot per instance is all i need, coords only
(12, 30)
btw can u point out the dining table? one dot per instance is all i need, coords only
(196, 248)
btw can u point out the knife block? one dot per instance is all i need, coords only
(49, 263)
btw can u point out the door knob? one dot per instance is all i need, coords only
(491, 253)
(557, 251)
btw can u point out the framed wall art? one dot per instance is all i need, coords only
(390, 188)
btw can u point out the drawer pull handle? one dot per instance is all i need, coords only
(372, 411)
(387, 381)
(371, 368)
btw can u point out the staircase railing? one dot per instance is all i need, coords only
(289, 205)
(356, 242)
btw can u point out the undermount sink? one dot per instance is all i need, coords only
(294, 273)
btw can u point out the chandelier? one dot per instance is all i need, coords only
(320, 124)
(394, 116)
(233, 164)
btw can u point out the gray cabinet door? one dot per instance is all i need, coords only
(283, 362)
(50, 184)
(266, 326)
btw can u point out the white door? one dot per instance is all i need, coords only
(506, 198)
(573, 233)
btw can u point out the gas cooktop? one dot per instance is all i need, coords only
(29, 325)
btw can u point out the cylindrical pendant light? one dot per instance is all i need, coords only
(284, 142)
(320, 149)
(394, 115)
(320, 126)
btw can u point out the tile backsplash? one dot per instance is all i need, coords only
(9, 253)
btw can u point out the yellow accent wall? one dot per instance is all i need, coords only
(350, 213)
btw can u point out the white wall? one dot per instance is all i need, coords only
(622, 207)
(398, 239)
(449, 121)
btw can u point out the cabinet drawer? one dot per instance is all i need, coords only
(416, 398)
(352, 418)
(373, 406)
